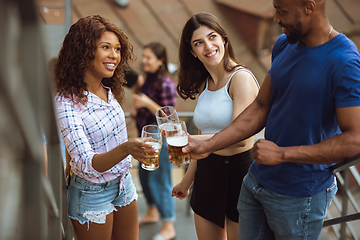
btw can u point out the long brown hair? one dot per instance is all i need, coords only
(192, 72)
(78, 52)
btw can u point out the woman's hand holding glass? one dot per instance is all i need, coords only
(142, 151)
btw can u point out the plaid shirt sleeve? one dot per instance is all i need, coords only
(168, 94)
(72, 132)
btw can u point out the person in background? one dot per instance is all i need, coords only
(158, 90)
(89, 87)
(309, 103)
(208, 68)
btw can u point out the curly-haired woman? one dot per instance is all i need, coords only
(89, 86)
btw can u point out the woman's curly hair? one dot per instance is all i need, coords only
(78, 52)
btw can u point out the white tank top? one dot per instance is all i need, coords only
(214, 109)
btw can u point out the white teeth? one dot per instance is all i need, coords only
(211, 54)
(109, 64)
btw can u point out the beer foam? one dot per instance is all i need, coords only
(177, 141)
(155, 145)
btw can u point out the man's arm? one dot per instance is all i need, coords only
(332, 150)
(248, 123)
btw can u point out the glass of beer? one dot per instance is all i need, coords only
(151, 135)
(165, 115)
(176, 138)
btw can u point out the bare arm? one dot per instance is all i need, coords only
(243, 90)
(182, 189)
(248, 123)
(208, 136)
(136, 147)
(332, 150)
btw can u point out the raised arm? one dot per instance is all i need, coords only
(143, 101)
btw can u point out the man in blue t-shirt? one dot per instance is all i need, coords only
(309, 103)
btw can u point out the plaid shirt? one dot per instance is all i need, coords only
(162, 91)
(97, 127)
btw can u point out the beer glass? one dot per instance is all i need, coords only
(165, 115)
(152, 131)
(176, 138)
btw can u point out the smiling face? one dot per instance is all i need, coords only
(150, 61)
(208, 46)
(288, 16)
(107, 56)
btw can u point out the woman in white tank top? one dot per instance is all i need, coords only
(208, 69)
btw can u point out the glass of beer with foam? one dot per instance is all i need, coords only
(151, 135)
(176, 138)
(165, 115)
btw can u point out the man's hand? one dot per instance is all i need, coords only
(267, 152)
(196, 148)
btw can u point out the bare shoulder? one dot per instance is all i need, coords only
(245, 74)
(243, 81)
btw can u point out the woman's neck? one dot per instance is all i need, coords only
(217, 74)
(94, 86)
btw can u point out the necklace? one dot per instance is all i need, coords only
(331, 29)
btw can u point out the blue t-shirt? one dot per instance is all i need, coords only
(308, 84)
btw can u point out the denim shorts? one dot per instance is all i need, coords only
(91, 202)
